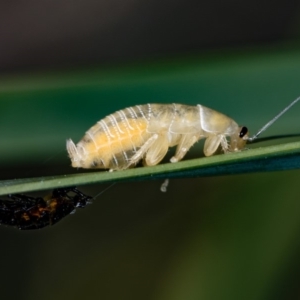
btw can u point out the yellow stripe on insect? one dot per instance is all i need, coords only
(111, 140)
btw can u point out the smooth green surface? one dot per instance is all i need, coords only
(272, 158)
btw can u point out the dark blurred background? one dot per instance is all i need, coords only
(65, 65)
(55, 34)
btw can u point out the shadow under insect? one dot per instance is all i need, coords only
(26, 212)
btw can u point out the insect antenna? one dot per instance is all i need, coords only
(254, 137)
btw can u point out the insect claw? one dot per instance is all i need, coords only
(173, 159)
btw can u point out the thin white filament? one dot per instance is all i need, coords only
(251, 139)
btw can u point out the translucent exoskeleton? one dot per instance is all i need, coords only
(147, 131)
(122, 139)
(26, 212)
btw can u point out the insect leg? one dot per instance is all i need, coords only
(211, 144)
(157, 151)
(141, 152)
(185, 143)
(224, 144)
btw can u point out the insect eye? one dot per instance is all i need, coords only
(243, 131)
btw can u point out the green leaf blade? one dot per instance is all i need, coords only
(271, 158)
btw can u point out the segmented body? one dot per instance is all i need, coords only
(146, 132)
(26, 212)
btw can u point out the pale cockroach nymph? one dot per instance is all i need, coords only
(122, 139)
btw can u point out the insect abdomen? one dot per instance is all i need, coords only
(113, 140)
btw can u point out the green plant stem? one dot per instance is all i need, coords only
(272, 158)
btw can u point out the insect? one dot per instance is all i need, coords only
(26, 212)
(122, 139)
